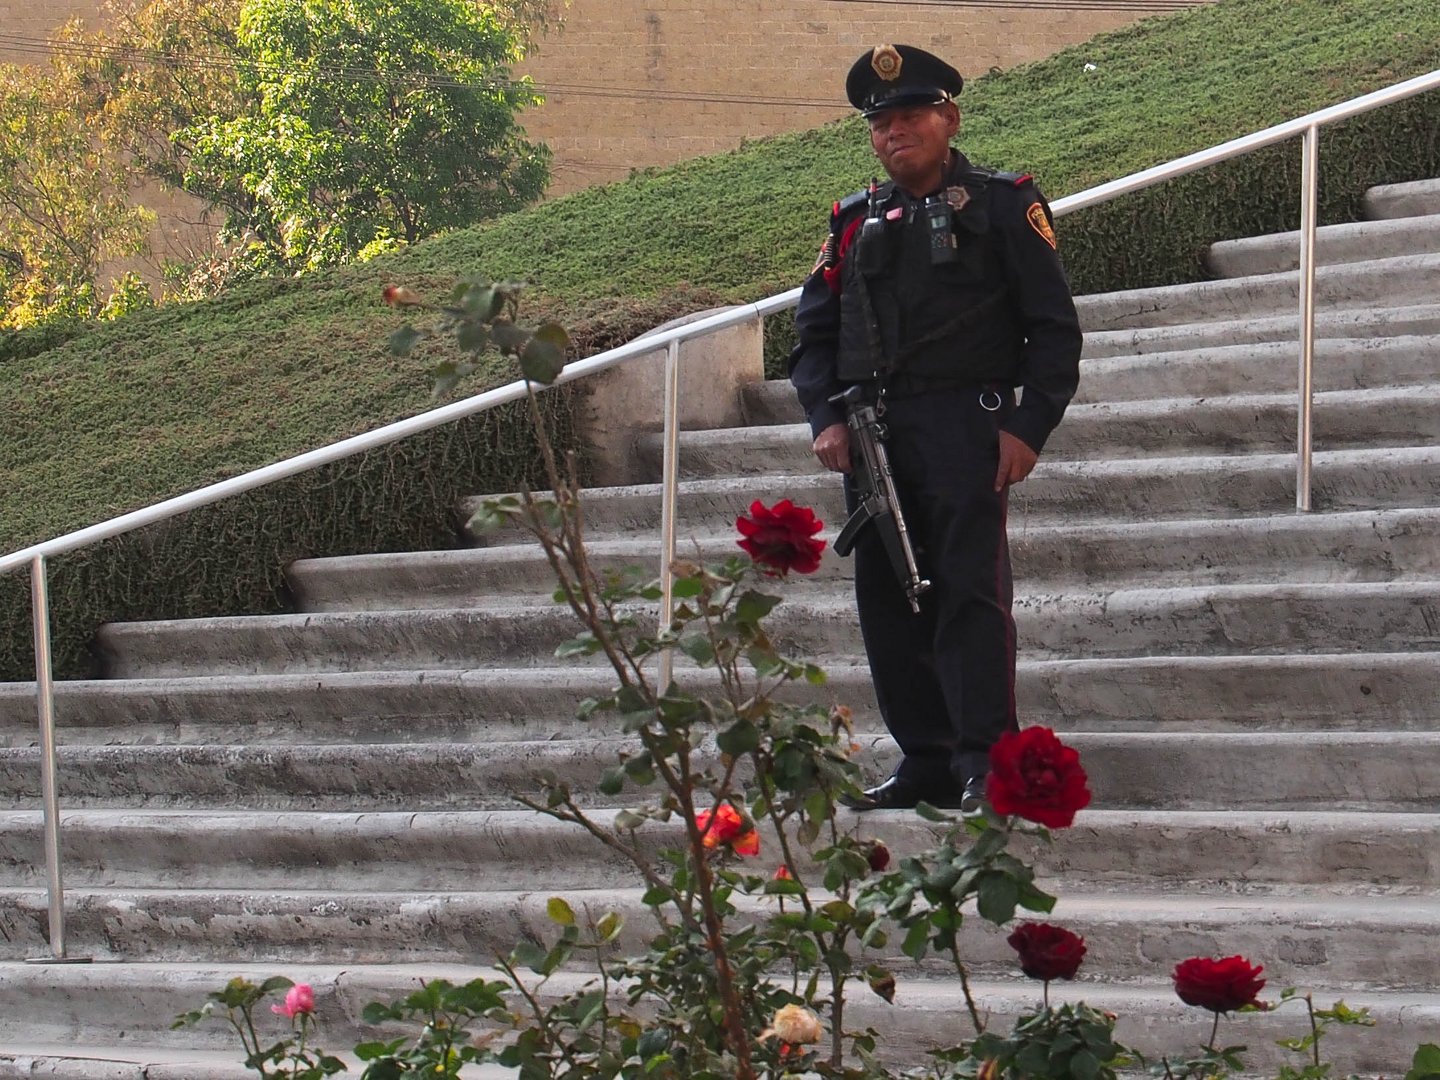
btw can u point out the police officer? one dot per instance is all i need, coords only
(949, 298)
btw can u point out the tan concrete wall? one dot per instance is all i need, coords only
(636, 83)
(39, 19)
(768, 67)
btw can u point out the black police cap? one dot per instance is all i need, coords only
(895, 76)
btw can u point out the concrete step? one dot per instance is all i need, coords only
(1184, 620)
(1294, 852)
(1358, 241)
(1396, 282)
(1354, 546)
(1333, 940)
(1166, 427)
(1401, 320)
(1342, 366)
(1368, 691)
(1076, 491)
(1267, 367)
(1403, 200)
(1385, 770)
(59, 1006)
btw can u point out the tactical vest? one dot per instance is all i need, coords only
(901, 314)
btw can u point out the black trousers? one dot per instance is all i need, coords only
(945, 678)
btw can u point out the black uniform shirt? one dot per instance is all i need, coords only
(1021, 232)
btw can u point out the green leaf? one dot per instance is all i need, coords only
(1426, 1063)
(784, 887)
(754, 606)
(698, 648)
(1084, 1066)
(541, 361)
(929, 813)
(472, 337)
(612, 781)
(405, 339)
(507, 335)
(559, 911)
(609, 926)
(915, 939)
(740, 738)
(684, 588)
(997, 897)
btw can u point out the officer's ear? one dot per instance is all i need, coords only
(951, 112)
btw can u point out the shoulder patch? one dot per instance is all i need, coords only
(1041, 224)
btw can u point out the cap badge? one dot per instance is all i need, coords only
(886, 61)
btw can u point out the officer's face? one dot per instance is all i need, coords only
(913, 143)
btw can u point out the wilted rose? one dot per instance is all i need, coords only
(1218, 985)
(400, 296)
(1047, 952)
(797, 1025)
(728, 829)
(781, 538)
(883, 984)
(299, 999)
(989, 1070)
(1037, 777)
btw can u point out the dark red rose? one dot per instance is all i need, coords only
(1218, 985)
(879, 856)
(1037, 777)
(1047, 952)
(781, 538)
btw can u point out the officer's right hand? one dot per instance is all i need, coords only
(832, 447)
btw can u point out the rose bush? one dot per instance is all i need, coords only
(727, 987)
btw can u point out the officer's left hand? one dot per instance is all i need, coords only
(1016, 461)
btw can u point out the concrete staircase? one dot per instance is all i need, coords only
(329, 795)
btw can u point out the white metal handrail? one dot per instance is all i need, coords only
(35, 556)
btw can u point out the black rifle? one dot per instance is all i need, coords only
(878, 500)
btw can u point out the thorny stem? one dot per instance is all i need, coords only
(970, 1005)
(714, 930)
(585, 607)
(1314, 1030)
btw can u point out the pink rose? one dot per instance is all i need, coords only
(300, 999)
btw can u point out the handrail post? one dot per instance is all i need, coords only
(668, 490)
(45, 703)
(1309, 213)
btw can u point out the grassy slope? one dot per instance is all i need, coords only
(163, 401)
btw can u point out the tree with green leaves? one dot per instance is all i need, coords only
(64, 207)
(367, 122)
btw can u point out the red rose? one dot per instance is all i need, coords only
(1218, 985)
(728, 828)
(781, 538)
(1047, 952)
(1037, 777)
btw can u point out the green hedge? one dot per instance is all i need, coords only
(229, 558)
(1161, 235)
